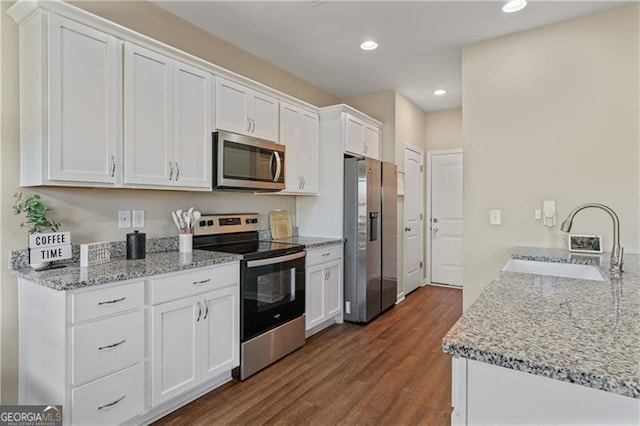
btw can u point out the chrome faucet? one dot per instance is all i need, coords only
(616, 251)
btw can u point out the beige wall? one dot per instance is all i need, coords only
(443, 129)
(382, 107)
(91, 214)
(549, 114)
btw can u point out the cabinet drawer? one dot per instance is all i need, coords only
(324, 254)
(107, 345)
(95, 304)
(188, 284)
(111, 400)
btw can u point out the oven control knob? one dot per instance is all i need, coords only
(210, 223)
(203, 223)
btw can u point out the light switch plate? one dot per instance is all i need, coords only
(495, 217)
(138, 218)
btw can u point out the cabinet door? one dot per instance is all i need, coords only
(308, 152)
(264, 113)
(289, 136)
(354, 133)
(84, 103)
(333, 289)
(221, 323)
(232, 102)
(192, 139)
(371, 141)
(176, 346)
(315, 294)
(147, 117)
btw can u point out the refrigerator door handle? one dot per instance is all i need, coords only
(373, 226)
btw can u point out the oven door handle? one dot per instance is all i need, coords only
(273, 260)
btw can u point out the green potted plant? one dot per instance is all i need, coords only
(35, 211)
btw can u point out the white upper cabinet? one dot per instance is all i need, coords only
(70, 96)
(299, 131)
(245, 111)
(361, 138)
(167, 121)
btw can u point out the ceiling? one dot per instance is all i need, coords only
(420, 42)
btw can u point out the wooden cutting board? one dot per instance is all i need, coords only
(280, 224)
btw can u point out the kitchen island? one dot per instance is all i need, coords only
(550, 350)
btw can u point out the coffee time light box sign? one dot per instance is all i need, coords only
(50, 246)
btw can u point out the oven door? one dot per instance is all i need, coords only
(272, 293)
(242, 162)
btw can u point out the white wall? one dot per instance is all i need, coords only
(549, 114)
(91, 214)
(443, 129)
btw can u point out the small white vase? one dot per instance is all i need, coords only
(185, 243)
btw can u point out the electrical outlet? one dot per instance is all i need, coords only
(347, 307)
(138, 218)
(124, 219)
(495, 217)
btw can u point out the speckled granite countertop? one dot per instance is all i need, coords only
(72, 276)
(578, 331)
(311, 242)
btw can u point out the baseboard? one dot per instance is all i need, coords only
(458, 287)
(399, 297)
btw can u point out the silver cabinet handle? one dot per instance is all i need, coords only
(324, 277)
(206, 312)
(113, 165)
(101, 348)
(177, 172)
(248, 124)
(109, 302)
(365, 147)
(170, 170)
(199, 312)
(253, 125)
(328, 273)
(111, 404)
(326, 254)
(202, 282)
(299, 183)
(304, 183)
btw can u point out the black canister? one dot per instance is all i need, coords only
(136, 245)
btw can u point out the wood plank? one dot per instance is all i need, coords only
(391, 371)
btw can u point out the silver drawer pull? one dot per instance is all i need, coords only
(202, 282)
(112, 346)
(109, 302)
(326, 254)
(111, 404)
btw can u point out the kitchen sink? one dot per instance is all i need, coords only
(567, 270)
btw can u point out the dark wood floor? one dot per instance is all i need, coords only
(391, 371)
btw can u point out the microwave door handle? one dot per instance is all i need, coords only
(278, 166)
(273, 156)
(273, 260)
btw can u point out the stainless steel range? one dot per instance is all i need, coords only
(271, 287)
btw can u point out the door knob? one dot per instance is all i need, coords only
(434, 220)
(407, 229)
(434, 229)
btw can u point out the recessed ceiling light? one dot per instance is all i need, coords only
(369, 45)
(514, 6)
(440, 92)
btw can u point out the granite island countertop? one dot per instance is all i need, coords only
(578, 331)
(310, 242)
(72, 276)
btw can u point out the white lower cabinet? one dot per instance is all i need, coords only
(127, 352)
(486, 394)
(323, 293)
(193, 339)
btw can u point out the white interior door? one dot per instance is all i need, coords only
(446, 217)
(413, 190)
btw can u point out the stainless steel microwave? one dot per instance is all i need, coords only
(243, 162)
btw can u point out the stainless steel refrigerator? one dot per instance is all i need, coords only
(370, 231)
